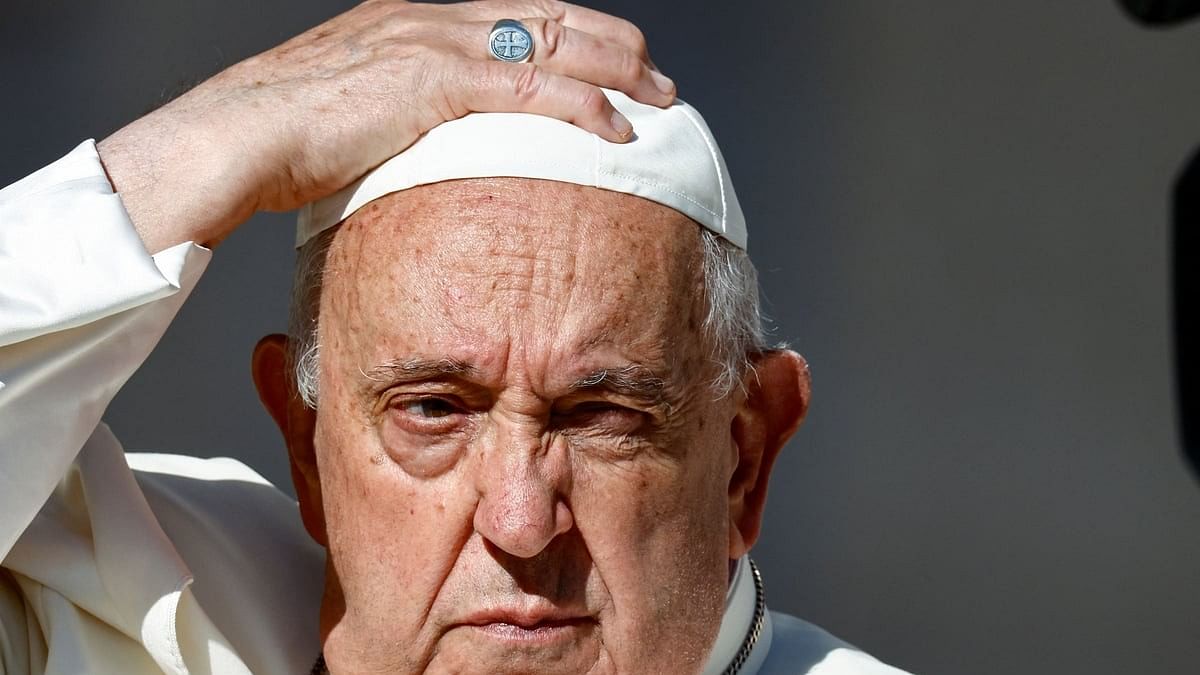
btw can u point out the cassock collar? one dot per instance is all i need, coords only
(744, 608)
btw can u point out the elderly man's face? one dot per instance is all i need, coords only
(519, 463)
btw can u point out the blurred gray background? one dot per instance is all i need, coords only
(960, 212)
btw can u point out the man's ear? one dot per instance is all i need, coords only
(777, 390)
(296, 422)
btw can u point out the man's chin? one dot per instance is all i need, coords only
(557, 647)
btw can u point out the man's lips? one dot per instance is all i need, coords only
(528, 625)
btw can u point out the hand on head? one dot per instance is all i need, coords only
(302, 120)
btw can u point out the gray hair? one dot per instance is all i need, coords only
(733, 322)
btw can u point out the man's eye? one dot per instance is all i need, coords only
(430, 408)
(609, 415)
(597, 408)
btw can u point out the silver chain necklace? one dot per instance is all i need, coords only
(756, 626)
(735, 666)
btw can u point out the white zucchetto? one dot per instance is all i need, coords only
(672, 160)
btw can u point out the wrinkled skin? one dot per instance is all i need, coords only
(302, 120)
(517, 463)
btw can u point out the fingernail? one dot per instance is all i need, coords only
(621, 125)
(665, 84)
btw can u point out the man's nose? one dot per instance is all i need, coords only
(521, 508)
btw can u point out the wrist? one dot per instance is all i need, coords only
(176, 180)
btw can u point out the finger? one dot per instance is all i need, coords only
(611, 28)
(492, 86)
(585, 57)
(599, 24)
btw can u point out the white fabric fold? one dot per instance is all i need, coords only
(74, 281)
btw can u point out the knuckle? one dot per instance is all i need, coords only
(630, 67)
(527, 81)
(432, 81)
(635, 37)
(594, 102)
(554, 34)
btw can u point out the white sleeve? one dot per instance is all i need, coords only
(81, 306)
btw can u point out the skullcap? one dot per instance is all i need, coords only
(672, 160)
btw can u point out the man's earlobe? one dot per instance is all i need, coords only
(776, 400)
(296, 422)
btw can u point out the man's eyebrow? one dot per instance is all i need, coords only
(634, 380)
(417, 369)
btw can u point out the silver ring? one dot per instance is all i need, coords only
(510, 41)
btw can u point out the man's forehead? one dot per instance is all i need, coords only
(463, 269)
(495, 214)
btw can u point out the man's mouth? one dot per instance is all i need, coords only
(528, 627)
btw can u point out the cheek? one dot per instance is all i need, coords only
(656, 495)
(374, 512)
(657, 532)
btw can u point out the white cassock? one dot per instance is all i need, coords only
(145, 563)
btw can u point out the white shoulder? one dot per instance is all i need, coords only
(219, 512)
(204, 505)
(258, 575)
(801, 648)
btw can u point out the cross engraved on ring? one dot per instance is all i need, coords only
(511, 44)
(510, 41)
